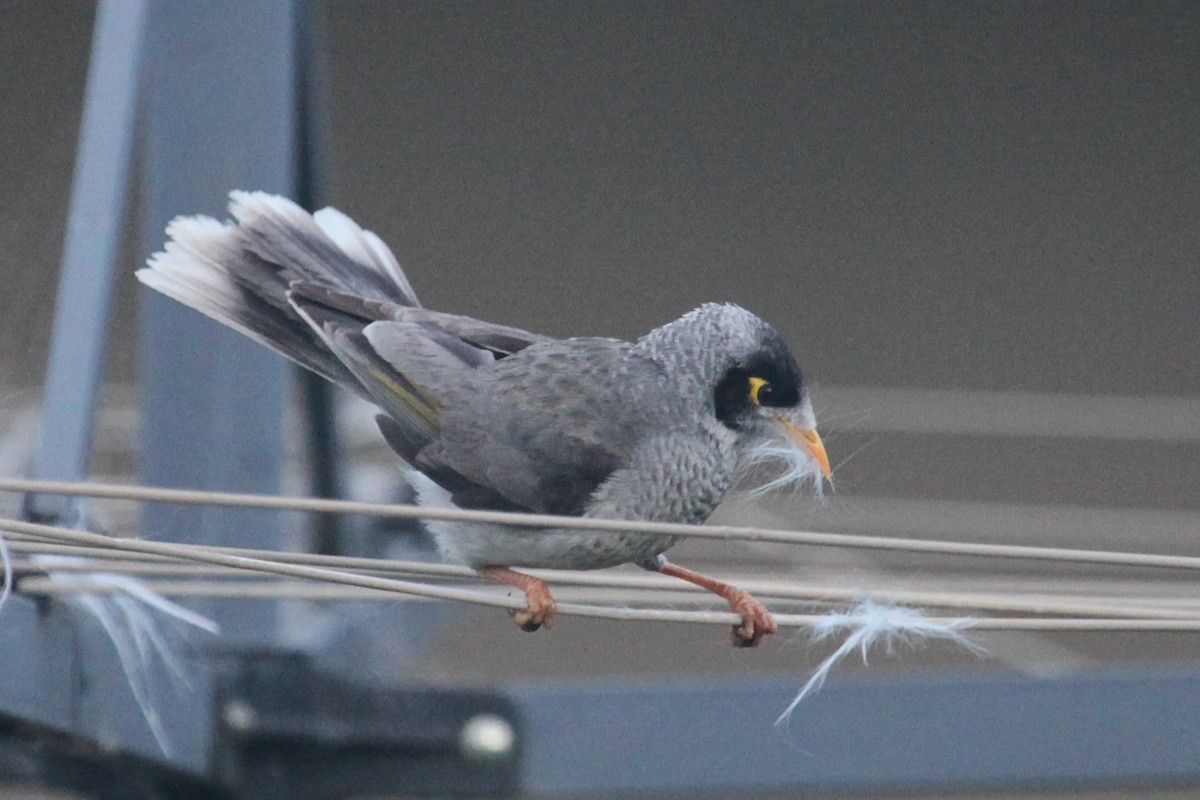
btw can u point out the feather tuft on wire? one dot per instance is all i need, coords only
(131, 619)
(867, 625)
(6, 559)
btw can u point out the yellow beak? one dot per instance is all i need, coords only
(810, 440)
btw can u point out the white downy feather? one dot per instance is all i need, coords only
(867, 625)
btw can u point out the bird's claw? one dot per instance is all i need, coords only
(757, 622)
(538, 611)
(539, 603)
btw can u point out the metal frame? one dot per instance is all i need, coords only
(266, 720)
(871, 733)
(94, 226)
(279, 724)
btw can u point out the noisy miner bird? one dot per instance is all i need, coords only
(493, 417)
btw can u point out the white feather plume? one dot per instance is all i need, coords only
(140, 641)
(867, 625)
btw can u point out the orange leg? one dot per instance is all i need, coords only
(756, 620)
(539, 605)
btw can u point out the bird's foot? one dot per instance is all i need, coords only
(539, 603)
(757, 622)
(538, 611)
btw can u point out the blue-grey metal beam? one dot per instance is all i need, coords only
(220, 113)
(870, 733)
(95, 222)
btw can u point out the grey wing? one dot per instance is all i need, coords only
(500, 340)
(419, 370)
(548, 426)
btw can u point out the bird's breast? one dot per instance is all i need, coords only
(683, 478)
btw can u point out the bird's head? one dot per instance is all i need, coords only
(755, 389)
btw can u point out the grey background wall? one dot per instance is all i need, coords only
(919, 194)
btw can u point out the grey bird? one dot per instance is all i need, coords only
(493, 417)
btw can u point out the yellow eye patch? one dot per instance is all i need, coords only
(756, 385)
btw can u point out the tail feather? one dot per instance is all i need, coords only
(366, 248)
(240, 274)
(286, 236)
(330, 296)
(183, 273)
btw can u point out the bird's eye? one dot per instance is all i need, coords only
(761, 392)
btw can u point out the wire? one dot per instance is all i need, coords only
(824, 594)
(725, 532)
(1139, 620)
(190, 553)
